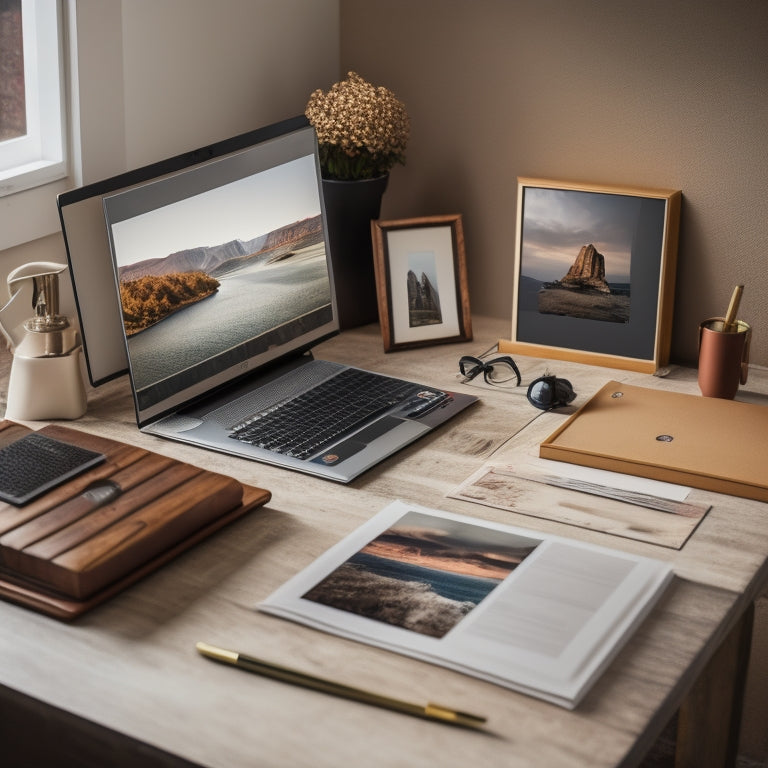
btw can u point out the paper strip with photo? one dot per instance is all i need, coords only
(629, 514)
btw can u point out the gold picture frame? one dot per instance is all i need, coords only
(594, 273)
(421, 281)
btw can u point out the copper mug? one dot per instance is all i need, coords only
(723, 357)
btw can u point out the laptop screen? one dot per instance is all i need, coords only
(221, 269)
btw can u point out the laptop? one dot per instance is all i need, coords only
(226, 284)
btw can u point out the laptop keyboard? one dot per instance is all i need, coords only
(302, 426)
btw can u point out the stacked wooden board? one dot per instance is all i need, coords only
(102, 530)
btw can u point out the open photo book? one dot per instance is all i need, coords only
(537, 613)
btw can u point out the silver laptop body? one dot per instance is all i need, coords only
(226, 283)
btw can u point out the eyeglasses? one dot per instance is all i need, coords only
(500, 370)
(546, 392)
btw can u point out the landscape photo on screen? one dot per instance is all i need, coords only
(202, 275)
(424, 574)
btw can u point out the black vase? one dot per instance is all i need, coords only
(349, 208)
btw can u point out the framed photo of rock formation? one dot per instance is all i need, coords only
(421, 281)
(594, 273)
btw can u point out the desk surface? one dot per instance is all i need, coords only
(131, 665)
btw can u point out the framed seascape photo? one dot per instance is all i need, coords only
(595, 273)
(421, 281)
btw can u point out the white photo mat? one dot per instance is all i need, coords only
(406, 248)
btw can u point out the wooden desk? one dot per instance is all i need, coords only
(124, 685)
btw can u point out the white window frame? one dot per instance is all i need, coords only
(38, 157)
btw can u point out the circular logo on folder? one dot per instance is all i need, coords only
(665, 438)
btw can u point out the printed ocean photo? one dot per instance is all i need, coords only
(423, 574)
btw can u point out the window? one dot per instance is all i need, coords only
(13, 116)
(31, 95)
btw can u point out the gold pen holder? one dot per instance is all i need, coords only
(723, 358)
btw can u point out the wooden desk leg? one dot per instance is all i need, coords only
(710, 717)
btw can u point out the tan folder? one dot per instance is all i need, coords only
(718, 445)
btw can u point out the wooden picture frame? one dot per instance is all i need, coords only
(421, 281)
(594, 273)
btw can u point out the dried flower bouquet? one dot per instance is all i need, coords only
(362, 130)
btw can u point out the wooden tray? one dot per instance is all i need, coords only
(66, 552)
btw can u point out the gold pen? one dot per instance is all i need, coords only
(287, 675)
(729, 322)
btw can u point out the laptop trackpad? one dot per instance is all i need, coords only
(358, 441)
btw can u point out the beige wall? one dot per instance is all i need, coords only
(662, 93)
(197, 71)
(655, 94)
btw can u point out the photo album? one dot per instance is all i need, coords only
(540, 614)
